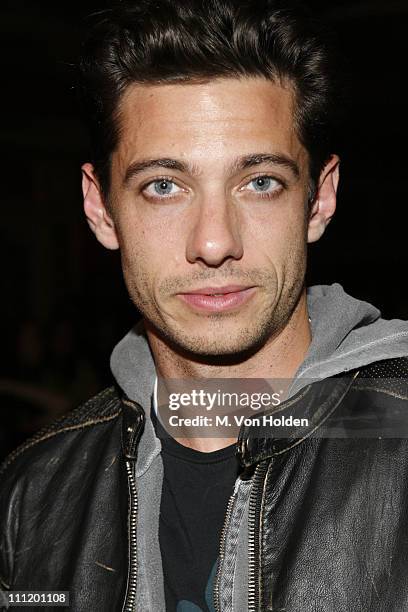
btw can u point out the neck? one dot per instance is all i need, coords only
(279, 358)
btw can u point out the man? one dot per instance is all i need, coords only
(212, 171)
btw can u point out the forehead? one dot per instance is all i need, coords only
(207, 122)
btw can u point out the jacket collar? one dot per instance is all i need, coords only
(133, 368)
(315, 404)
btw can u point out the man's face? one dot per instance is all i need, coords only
(209, 203)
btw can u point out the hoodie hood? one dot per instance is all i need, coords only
(346, 334)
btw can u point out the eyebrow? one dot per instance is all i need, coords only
(276, 159)
(242, 163)
(137, 167)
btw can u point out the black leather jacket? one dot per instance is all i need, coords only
(327, 518)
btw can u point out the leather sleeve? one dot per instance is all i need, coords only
(10, 489)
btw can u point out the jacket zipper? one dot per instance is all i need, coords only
(217, 603)
(254, 513)
(255, 503)
(130, 599)
(132, 434)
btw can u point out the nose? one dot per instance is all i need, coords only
(215, 236)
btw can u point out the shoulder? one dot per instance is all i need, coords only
(46, 477)
(97, 413)
(377, 407)
(396, 368)
(388, 377)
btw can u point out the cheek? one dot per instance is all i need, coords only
(136, 255)
(153, 241)
(138, 259)
(279, 235)
(147, 257)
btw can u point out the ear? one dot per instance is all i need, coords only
(324, 204)
(98, 218)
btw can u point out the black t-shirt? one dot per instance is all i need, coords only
(196, 490)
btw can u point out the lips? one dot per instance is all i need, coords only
(217, 299)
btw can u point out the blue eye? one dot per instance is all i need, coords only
(163, 187)
(263, 183)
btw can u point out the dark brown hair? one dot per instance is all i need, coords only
(162, 41)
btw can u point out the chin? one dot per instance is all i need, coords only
(226, 344)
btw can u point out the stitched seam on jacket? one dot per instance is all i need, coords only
(318, 425)
(381, 390)
(30, 443)
(129, 403)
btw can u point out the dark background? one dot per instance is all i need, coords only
(64, 302)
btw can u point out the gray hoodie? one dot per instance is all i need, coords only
(346, 334)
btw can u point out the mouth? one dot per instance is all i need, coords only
(218, 299)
